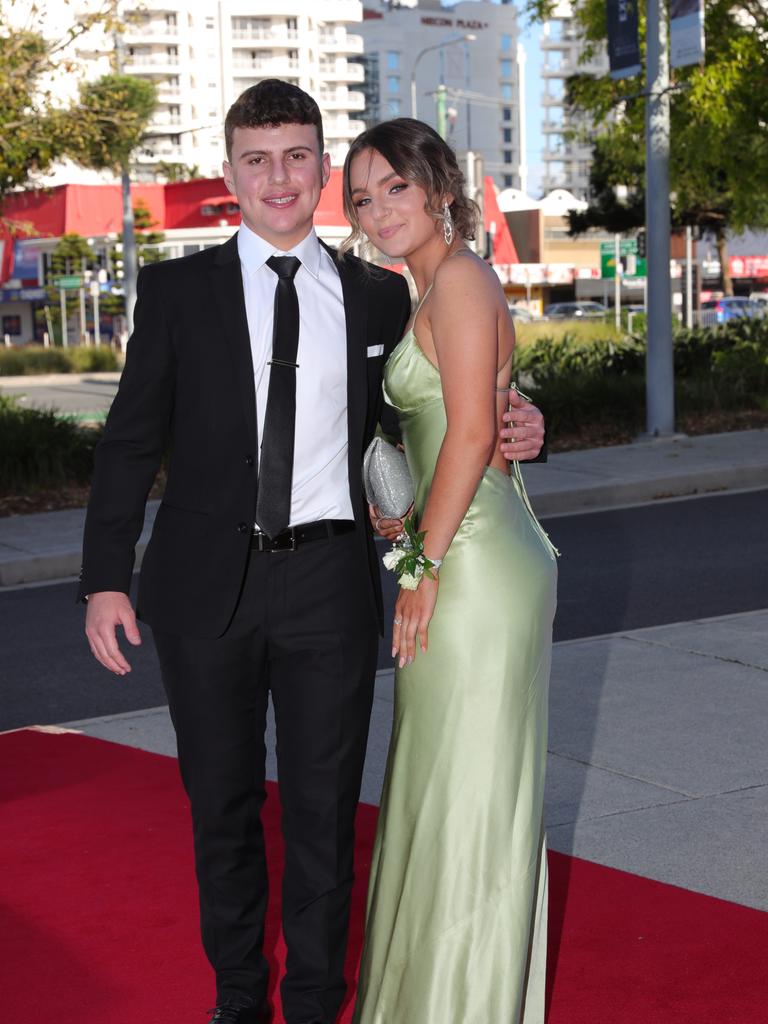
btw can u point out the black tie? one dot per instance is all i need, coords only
(273, 504)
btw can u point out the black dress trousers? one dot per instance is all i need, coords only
(304, 630)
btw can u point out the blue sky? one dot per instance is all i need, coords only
(534, 140)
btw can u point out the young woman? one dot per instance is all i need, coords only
(456, 922)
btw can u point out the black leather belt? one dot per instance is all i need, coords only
(289, 540)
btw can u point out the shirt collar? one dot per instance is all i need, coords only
(254, 251)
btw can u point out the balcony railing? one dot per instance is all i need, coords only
(344, 43)
(342, 71)
(268, 65)
(278, 34)
(150, 28)
(155, 153)
(150, 60)
(342, 128)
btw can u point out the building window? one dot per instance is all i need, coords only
(506, 69)
(393, 108)
(506, 42)
(507, 113)
(508, 181)
(507, 156)
(506, 91)
(393, 83)
(507, 133)
(393, 60)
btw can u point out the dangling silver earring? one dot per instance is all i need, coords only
(447, 224)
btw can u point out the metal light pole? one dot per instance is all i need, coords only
(130, 269)
(659, 374)
(466, 38)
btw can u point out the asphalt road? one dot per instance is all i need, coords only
(620, 569)
(81, 399)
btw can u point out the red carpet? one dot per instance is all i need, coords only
(98, 915)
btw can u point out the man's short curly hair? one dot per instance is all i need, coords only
(268, 104)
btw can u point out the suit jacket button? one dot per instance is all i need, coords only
(242, 527)
(249, 460)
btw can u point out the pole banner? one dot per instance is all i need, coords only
(623, 46)
(686, 36)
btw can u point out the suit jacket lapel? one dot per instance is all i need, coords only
(356, 315)
(228, 289)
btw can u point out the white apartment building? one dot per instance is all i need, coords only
(472, 48)
(201, 55)
(566, 161)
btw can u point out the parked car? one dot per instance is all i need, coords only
(520, 314)
(575, 310)
(729, 308)
(761, 298)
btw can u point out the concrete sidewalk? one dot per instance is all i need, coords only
(47, 545)
(657, 756)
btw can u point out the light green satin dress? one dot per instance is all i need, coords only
(456, 919)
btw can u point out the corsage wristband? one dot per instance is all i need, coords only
(407, 559)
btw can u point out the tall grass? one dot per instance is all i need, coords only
(585, 331)
(39, 450)
(31, 359)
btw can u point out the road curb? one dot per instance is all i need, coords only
(609, 495)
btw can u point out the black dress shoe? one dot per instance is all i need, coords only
(235, 1011)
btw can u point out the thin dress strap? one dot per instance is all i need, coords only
(421, 301)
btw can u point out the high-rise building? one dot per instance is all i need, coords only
(201, 56)
(566, 159)
(472, 49)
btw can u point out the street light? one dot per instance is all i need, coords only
(468, 37)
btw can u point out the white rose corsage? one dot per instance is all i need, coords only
(407, 560)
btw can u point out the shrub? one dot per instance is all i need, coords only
(39, 450)
(579, 381)
(29, 359)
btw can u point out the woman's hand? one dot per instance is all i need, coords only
(389, 529)
(413, 612)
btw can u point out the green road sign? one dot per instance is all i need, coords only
(68, 282)
(633, 265)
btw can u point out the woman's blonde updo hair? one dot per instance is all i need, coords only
(418, 154)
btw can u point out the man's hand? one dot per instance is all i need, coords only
(107, 610)
(524, 436)
(389, 529)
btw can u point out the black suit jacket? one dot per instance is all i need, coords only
(188, 384)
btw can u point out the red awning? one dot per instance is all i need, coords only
(219, 200)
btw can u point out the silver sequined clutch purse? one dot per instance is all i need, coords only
(387, 479)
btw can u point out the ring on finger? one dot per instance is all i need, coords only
(398, 622)
(377, 525)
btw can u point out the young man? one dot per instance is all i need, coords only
(264, 374)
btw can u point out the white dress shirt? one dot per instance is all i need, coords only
(320, 476)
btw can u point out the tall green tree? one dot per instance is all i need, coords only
(719, 127)
(36, 128)
(115, 112)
